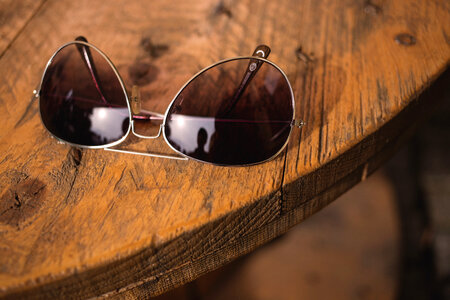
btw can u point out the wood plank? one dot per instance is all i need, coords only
(84, 223)
(14, 15)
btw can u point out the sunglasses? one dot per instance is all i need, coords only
(236, 112)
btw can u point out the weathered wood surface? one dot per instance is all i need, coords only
(14, 16)
(88, 223)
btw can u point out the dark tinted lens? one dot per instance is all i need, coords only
(81, 99)
(219, 120)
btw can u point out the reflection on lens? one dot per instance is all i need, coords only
(81, 99)
(197, 130)
(215, 120)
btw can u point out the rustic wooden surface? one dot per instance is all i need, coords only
(14, 16)
(84, 223)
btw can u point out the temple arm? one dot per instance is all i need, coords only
(254, 65)
(89, 62)
(135, 99)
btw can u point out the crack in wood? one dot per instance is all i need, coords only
(19, 32)
(116, 186)
(28, 114)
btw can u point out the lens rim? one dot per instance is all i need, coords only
(206, 69)
(116, 72)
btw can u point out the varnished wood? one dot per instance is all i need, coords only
(83, 223)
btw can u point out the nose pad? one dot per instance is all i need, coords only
(135, 100)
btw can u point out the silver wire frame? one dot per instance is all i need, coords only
(180, 155)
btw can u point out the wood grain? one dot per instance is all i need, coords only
(84, 223)
(14, 16)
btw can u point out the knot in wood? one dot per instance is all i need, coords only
(405, 39)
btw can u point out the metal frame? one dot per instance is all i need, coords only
(180, 155)
(218, 63)
(38, 92)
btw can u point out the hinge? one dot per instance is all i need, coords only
(298, 123)
(35, 94)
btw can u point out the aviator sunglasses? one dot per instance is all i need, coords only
(236, 112)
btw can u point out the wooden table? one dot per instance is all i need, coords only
(85, 223)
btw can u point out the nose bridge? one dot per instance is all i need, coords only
(141, 114)
(146, 136)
